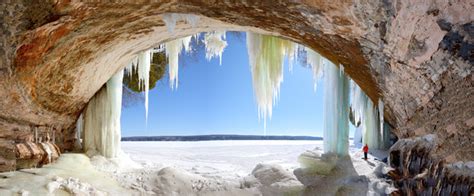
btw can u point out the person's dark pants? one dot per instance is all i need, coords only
(365, 155)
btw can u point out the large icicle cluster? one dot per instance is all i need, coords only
(102, 120)
(266, 58)
(141, 64)
(336, 110)
(372, 131)
(174, 47)
(215, 44)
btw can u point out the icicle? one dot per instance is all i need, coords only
(54, 136)
(358, 101)
(171, 19)
(36, 134)
(79, 130)
(186, 41)
(215, 45)
(292, 52)
(380, 109)
(315, 60)
(132, 66)
(336, 110)
(173, 49)
(102, 119)
(144, 59)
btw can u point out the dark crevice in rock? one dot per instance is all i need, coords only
(457, 41)
(444, 25)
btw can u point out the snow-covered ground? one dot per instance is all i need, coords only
(184, 168)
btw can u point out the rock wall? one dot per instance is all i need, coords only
(415, 55)
(418, 172)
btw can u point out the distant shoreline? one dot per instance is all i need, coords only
(217, 137)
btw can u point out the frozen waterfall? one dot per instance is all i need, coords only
(336, 110)
(102, 119)
(373, 129)
(371, 135)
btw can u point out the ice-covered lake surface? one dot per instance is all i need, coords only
(223, 158)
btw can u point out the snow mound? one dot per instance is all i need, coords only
(316, 163)
(173, 181)
(268, 174)
(329, 174)
(272, 179)
(73, 186)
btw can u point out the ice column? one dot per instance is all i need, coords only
(371, 130)
(380, 107)
(79, 131)
(386, 136)
(102, 119)
(215, 44)
(336, 110)
(358, 136)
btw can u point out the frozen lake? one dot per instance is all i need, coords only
(219, 158)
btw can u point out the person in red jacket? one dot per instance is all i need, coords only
(366, 150)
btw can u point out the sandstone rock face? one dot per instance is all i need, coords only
(415, 55)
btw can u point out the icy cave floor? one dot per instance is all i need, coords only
(183, 168)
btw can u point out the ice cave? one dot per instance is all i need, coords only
(396, 78)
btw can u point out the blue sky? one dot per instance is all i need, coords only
(219, 99)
